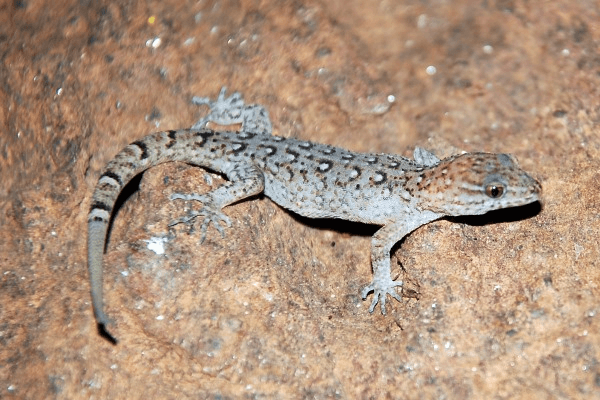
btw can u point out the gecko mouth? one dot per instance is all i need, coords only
(525, 200)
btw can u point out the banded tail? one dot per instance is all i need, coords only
(134, 159)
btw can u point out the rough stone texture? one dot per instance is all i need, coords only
(507, 305)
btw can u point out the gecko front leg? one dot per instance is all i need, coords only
(381, 245)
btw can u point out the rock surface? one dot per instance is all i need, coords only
(503, 306)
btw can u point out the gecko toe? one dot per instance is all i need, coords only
(378, 298)
(207, 214)
(380, 289)
(217, 218)
(366, 290)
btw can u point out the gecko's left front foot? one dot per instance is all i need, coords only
(380, 288)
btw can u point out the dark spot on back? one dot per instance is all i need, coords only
(358, 173)
(205, 134)
(324, 166)
(271, 150)
(173, 136)
(383, 178)
(238, 147)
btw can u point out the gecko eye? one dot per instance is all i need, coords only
(494, 190)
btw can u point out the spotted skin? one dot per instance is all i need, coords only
(312, 179)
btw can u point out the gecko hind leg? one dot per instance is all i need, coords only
(232, 110)
(245, 180)
(208, 211)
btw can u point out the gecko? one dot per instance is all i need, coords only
(311, 179)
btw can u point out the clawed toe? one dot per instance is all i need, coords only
(183, 220)
(217, 218)
(208, 214)
(380, 291)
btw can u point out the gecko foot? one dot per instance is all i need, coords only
(223, 110)
(210, 214)
(381, 288)
(231, 111)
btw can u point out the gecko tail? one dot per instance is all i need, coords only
(134, 159)
(97, 228)
(102, 331)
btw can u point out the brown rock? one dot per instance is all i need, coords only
(507, 304)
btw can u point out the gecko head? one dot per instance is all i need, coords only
(475, 183)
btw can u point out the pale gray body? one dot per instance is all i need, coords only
(313, 180)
